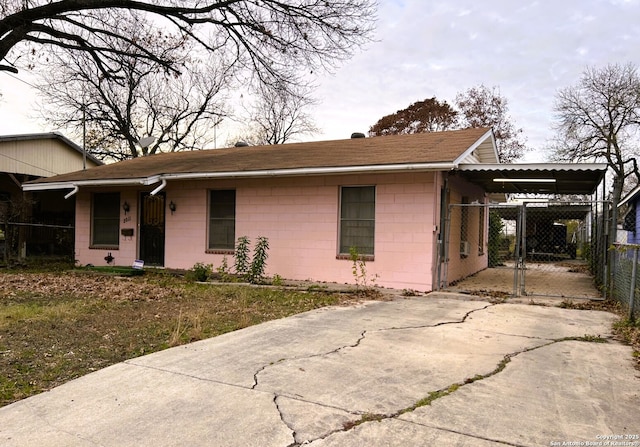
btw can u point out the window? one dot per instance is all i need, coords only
(222, 219)
(105, 220)
(357, 219)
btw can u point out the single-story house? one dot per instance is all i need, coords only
(32, 156)
(387, 196)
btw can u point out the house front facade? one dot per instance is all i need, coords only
(386, 198)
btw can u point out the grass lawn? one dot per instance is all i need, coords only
(57, 326)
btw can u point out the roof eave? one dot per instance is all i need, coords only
(334, 170)
(99, 182)
(487, 136)
(533, 166)
(629, 197)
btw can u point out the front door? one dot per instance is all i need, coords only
(152, 213)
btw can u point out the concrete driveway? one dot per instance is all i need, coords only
(435, 370)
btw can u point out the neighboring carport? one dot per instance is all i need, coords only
(536, 178)
(551, 236)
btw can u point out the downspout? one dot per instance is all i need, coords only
(73, 191)
(159, 188)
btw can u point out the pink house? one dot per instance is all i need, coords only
(313, 201)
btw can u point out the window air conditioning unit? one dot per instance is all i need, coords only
(464, 248)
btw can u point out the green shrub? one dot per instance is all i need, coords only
(200, 272)
(259, 261)
(242, 256)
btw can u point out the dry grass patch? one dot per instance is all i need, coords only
(55, 327)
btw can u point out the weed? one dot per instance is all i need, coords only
(367, 417)
(277, 280)
(359, 269)
(593, 339)
(200, 272)
(242, 256)
(259, 261)
(223, 271)
(410, 292)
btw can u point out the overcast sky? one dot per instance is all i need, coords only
(426, 48)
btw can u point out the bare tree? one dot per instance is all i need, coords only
(278, 115)
(598, 119)
(429, 115)
(177, 109)
(483, 107)
(275, 39)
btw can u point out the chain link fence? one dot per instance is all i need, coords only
(547, 248)
(624, 283)
(35, 229)
(22, 240)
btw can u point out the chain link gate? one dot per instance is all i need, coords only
(537, 248)
(557, 249)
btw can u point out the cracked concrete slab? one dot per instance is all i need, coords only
(398, 433)
(570, 391)
(538, 321)
(266, 344)
(310, 421)
(378, 377)
(125, 405)
(353, 376)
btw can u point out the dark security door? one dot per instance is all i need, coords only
(152, 214)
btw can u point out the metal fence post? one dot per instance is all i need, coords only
(632, 292)
(516, 250)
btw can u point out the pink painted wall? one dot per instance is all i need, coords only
(462, 266)
(126, 252)
(299, 216)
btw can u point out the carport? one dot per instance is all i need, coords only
(553, 239)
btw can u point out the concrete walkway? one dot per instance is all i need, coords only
(435, 370)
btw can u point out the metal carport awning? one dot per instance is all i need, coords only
(535, 178)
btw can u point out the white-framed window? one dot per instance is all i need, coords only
(105, 220)
(222, 219)
(357, 219)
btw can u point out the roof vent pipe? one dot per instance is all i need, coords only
(357, 135)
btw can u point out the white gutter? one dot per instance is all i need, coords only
(74, 185)
(100, 182)
(312, 171)
(79, 183)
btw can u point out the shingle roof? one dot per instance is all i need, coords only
(423, 149)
